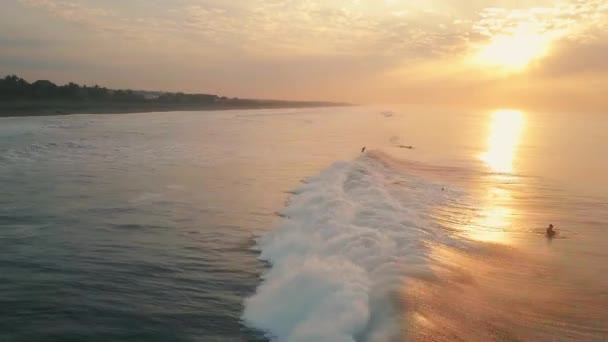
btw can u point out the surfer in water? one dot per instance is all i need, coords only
(550, 231)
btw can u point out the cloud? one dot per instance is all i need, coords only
(307, 27)
(575, 58)
(315, 27)
(12, 42)
(37, 63)
(320, 28)
(565, 18)
(105, 22)
(348, 50)
(88, 17)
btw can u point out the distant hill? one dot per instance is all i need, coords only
(18, 97)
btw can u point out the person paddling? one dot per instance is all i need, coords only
(550, 231)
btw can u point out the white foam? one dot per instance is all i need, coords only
(350, 239)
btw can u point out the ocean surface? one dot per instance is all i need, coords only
(274, 225)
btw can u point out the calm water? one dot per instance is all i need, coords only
(245, 225)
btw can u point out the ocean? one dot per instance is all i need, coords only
(258, 225)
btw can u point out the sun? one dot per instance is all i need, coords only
(515, 50)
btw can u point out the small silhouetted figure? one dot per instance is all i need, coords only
(550, 231)
(363, 149)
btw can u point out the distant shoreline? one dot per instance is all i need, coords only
(20, 98)
(27, 109)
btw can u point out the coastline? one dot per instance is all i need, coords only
(24, 109)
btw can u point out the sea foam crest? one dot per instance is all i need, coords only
(350, 239)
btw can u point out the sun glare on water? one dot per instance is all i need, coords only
(505, 131)
(494, 220)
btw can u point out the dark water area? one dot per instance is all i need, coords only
(106, 236)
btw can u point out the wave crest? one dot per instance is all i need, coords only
(350, 239)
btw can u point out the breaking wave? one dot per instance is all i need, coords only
(350, 239)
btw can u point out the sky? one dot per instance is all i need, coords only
(471, 53)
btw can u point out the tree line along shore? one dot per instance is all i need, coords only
(19, 97)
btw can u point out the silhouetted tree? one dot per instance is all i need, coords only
(43, 89)
(13, 88)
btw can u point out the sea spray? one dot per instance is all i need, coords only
(349, 240)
